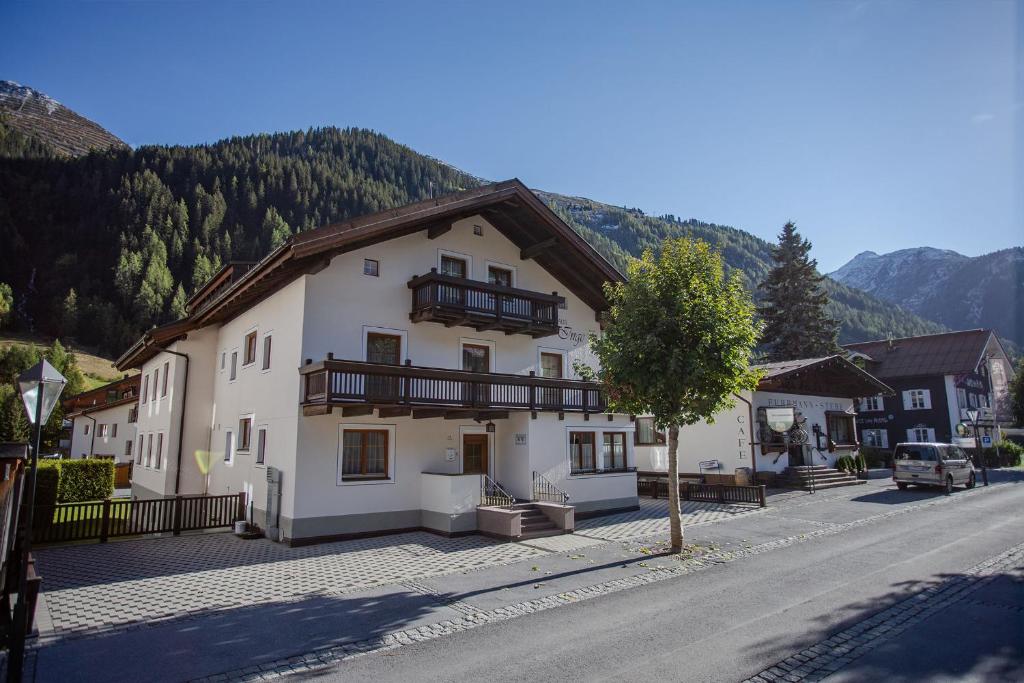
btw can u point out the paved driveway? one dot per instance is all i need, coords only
(100, 587)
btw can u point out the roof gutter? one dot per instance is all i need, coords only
(181, 420)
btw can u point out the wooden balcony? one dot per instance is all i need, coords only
(396, 390)
(456, 301)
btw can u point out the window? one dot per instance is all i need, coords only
(876, 438)
(261, 446)
(149, 451)
(961, 397)
(156, 382)
(921, 434)
(145, 388)
(453, 267)
(159, 449)
(920, 453)
(371, 267)
(614, 451)
(478, 230)
(646, 434)
(266, 352)
(873, 403)
(167, 371)
(581, 451)
(113, 430)
(972, 400)
(841, 428)
(383, 348)
(499, 276)
(917, 399)
(550, 365)
(223, 357)
(229, 446)
(128, 448)
(250, 349)
(364, 454)
(234, 365)
(142, 441)
(244, 433)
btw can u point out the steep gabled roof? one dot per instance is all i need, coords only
(947, 353)
(509, 206)
(826, 376)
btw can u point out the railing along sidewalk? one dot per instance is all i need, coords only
(704, 493)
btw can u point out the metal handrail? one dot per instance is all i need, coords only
(493, 495)
(543, 489)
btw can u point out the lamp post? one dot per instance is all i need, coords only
(972, 415)
(40, 387)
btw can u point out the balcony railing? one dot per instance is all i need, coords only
(344, 382)
(457, 301)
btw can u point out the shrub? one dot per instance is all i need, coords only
(83, 480)
(845, 463)
(47, 480)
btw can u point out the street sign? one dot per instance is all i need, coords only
(779, 419)
(986, 442)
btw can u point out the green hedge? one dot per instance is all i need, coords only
(74, 481)
(851, 463)
(1010, 454)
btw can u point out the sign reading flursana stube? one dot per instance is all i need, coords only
(779, 419)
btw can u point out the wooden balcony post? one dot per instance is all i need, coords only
(407, 383)
(533, 393)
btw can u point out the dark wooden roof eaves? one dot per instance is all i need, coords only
(510, 205)
(78, 401)
(775, 374)
(948, 353)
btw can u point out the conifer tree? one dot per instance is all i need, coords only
(793, 303)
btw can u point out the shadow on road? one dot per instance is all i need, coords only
(980, 636)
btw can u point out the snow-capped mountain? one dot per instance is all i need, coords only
(958, 291)
(34, 114)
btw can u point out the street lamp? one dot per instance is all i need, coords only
(972, 415)
(40, 388)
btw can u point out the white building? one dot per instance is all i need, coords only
(822, 392)
(102, 421)
(385, 371)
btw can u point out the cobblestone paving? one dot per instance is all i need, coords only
(652, 519)
(829, 656)
(104, 586)
(473, 618)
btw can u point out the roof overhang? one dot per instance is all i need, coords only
(830, 376)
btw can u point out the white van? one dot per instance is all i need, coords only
(932, 464)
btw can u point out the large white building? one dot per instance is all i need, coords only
(392, 372)
(102, 421)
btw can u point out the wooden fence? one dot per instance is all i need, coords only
(704, 493)
(105, 519)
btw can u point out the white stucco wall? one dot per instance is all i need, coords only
(812, 409)
(83, 445)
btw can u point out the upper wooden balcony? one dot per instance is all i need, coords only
(456, 301)
(398, 390)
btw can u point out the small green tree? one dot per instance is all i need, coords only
(676, 345)
(794, 301)
(6, 304)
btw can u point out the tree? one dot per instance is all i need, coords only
(275, 230)
(1017, 394)
(69, 314)
(676, 344)
(6, 304)
(794, 301)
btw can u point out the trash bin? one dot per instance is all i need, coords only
(743, 476)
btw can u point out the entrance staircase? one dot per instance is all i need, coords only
(535, 524)
(824, 478)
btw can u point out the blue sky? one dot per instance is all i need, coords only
(874, 125)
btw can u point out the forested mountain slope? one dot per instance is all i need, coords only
(102, 246)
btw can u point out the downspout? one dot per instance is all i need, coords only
(750, 435)
(181, 420)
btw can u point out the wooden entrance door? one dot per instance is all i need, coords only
(474, 454)
(796, 455)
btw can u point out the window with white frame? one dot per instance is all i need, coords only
(149, 451)
(614, 451)
(582, 452)
(876, 438)
(249, 347)
(266, 352)
(229, 446)
(159, 450)
(921, 434)
(646, 434)
(167, 371)
(103, 430)
(113, 430)
(365, 454)
(138, 454)
(873, 404)
(234, 366)
(261, 445)
(917, 399)
(244, 433)
(145, 388)
(128, 449)
(223, 360)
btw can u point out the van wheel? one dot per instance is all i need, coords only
(901, 485)
(948, 488)
(970, 481)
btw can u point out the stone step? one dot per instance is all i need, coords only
(540, 533)
(820, 477)
(822, 485)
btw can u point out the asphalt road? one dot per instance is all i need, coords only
(733, 620)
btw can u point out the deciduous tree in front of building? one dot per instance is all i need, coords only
(677, 344)
(793, 303)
